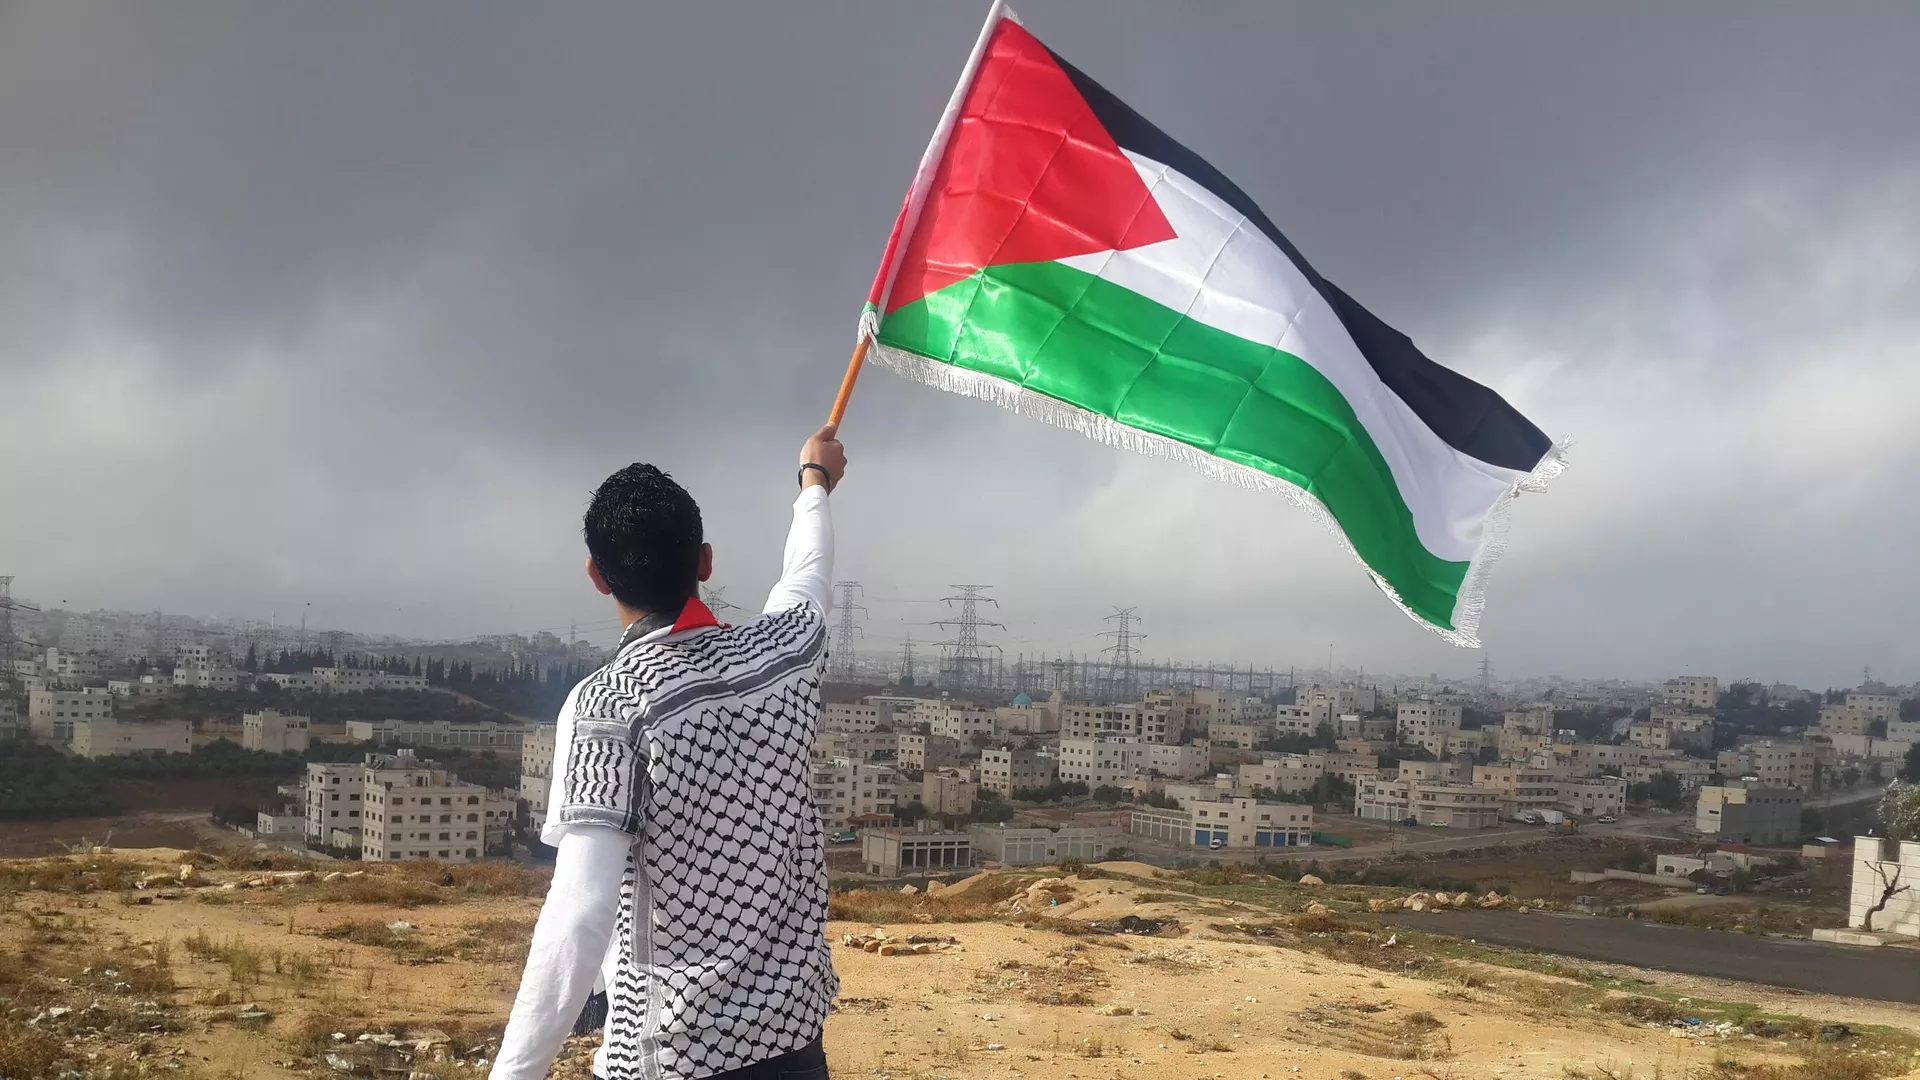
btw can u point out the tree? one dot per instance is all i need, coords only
(1109, 794)
(1324, 737)
(1663, 790)
(1910, 771)
(1910, 710)
(1899, 820)
(1850, 776)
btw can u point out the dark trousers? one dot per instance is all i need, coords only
(807, 1063)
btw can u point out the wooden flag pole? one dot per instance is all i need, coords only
(846, 382)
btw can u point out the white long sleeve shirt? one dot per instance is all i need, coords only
(690, 879)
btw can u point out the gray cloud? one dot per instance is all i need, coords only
(353, 303)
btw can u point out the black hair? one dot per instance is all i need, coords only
(643, 531)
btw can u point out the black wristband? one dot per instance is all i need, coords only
(824, 474)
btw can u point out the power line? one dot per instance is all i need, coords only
(846, 632)
(906, 661)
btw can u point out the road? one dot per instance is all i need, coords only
(1882, 974)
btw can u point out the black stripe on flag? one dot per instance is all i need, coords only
(1466, 415)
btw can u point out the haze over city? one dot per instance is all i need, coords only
(350, 306)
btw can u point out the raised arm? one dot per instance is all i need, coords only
(806, 573)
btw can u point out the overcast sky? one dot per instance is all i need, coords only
(353, 303)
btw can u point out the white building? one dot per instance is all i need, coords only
(51, 714)
(483, 734)
(106, 737)
(274, 732)
(71, 669)
(923, 753)
(280, 826)
(1011, 845)
(1178, 762)
(948, 792)
(845, 789)
(1594, 796)
(536, 772)
(1886, 874)
(1283, 773)
(1099, 762)
(855, 717)
(144, 686)
(1006, 770)
(1422, 722)
(1754, 814)
(1231, 822)
(864, 745)
(293, 680)
(416, 810)
(339, 680)
(334, 790)
(1699, 692)
(1779, 764)
(960, 723)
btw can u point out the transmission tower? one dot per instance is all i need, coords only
(968, 659)
(1120, 669)
(906, 661)
(846, 633)
(715, 597)
(1486, 672)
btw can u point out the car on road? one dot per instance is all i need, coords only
(1436, 824)
(844, 836)
(1606, 819)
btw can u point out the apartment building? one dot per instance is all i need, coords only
(1423, 722)
(1285, 773)
(51, 714)
(414, 809)
(105, 736)
(200, 667)
(1593, 796)
(478, 734)
(1692, 771)
(1749, 814)
(293, 680)
(863, 716)
(1005, 770)
(1351, 767)
(1441, 803)
(334, 791)
(1520, 787)
(855, 744)
(1293, 720)
(1237, 734)
(1698, 692)
(948, 792)
(1178, 762)
(144, 686)
(273, 732)
(71, 670)
(925, 753)
(958, 722)
(536, 772)
(845, 790)
(1099, 762)
(1776, 764)
(1096, 721)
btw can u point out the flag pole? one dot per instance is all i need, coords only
(903, 225)
(847, 381)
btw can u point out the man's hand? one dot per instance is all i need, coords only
(823, 449)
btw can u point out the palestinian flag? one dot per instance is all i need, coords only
(1062, 257)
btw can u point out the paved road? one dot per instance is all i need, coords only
(1883, 974)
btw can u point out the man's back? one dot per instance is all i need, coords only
(697, 745)
(689, 876)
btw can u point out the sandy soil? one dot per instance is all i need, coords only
(1007, 1001)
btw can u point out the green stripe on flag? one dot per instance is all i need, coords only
(1090, 343)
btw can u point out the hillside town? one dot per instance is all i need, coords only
(916, 781)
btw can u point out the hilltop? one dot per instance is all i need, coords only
(170, 963)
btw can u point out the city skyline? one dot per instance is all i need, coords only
(274, 336)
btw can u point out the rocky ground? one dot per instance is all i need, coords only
(111, 966)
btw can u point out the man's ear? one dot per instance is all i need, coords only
(706, 562)
(593, 575)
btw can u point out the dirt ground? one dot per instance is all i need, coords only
(1044, 999)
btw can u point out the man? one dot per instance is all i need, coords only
(690, 878)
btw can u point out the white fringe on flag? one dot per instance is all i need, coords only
(1468, 605)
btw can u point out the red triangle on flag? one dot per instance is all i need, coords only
(1029, 175)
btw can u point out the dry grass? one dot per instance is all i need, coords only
(881, 908)
(28, 1052)
(69, 874)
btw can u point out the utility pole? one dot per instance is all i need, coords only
(7, 606)
(1121, 670)
(968, 656)
(846, 632)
